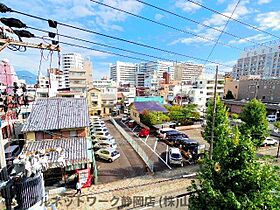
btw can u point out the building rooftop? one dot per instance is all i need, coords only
(72, 150)
(150, 106)
(57, 114)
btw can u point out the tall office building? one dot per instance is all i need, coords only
(123, 73)
(263, 61)
(187, 72)
(77, 72)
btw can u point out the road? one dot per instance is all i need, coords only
(159, 159)
(128, 165)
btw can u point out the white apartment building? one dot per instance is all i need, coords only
(206, 83)
(154, 72)
(187, 72)
(77, 72)
(263, 61)
(123, 73)
(57, 78)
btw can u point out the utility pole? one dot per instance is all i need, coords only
(6, 42)
(4, 172)
(214, 114)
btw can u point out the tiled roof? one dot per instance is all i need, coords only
(57, 113)
(74, 150)
(149, 106)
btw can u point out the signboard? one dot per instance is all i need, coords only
(84, 177)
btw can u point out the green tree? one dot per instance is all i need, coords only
(229, 95)
(255, 121)
(234, 116)
(222, 128)
(152, 118)
(277, 124)
(235, 179)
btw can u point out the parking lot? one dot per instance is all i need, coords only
(128, 165)
(156, 150)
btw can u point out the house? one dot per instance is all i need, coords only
(138, 108)
(95, 102)
(54, 118)
(108, 102)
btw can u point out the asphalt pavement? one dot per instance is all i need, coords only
(127, 166)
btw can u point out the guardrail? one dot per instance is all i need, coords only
(134, 145)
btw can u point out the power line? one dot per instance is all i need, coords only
(103, 45)
(238, 21)
(197, 22)
(123, 40)
(112, 47)
(167, 26)
(225, 26)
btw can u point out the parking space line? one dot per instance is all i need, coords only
(166, 154)
(155, 146)
(147, 138)
(165, 162)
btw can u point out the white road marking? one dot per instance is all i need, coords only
(166, 154)
(155, 146)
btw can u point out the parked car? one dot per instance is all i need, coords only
(109, 154)
(144, 132)
(101, 134)
(103, 139)
(100, 145)
(175, 156)
(100, 123)
(271, 118)
(11, 152)
(124, 118)
(94, 118)
(269, 141)
(94, 130)
(131, 123)
(161, 133)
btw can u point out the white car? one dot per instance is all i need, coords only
(95, 130)
(271, 118)
(104, 139)
(101, 145)
(175, 156)
(101, 134)
(97, 123)
(269, 141)
(109, 154)
(124, 118)
(94, 118)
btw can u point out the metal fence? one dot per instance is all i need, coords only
(134, 145)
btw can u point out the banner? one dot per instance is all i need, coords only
(84, 177)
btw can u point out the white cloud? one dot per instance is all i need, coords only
(270, 20)
(158, 17)
(187, 6)
(218, 20)
(221, 1)
(264, 1)
(256, 38)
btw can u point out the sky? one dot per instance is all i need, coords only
(263, 14)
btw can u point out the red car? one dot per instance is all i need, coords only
(144, 132)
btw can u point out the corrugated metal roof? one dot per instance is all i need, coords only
(149, 106)
(74, 150)
(57, 113)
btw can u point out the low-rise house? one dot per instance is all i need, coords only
(95, 101)
(138, 108)
(54, 118)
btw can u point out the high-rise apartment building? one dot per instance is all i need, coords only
(77, 71)
(57, 78)
(123, 73)
(263, 61)
(187, 72)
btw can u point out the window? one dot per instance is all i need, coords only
(235, 86)
(263, 97)
(201, 92)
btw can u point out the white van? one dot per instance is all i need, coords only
(271, 118)
(175, 156)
